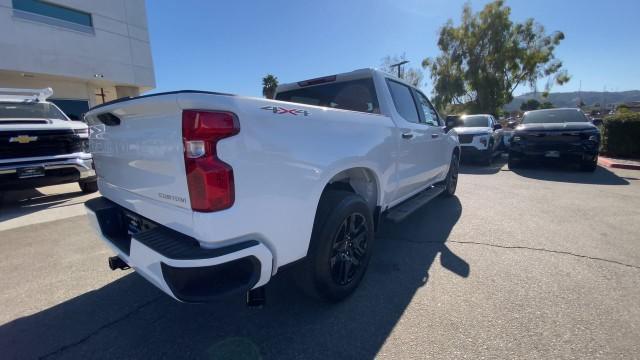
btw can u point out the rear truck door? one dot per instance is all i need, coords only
(438, 145)
(417, 152)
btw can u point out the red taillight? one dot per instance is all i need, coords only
(210, 180)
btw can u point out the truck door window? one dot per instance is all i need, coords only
(430, 114)
(355, 95)
(403, 101)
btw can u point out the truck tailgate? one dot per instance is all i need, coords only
(137, 147)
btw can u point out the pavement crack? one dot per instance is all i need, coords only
(525, 248)
(99, 329)
(548, 251)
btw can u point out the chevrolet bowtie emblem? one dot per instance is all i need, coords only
(23, 139)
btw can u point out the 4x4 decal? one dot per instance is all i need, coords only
(280, 110)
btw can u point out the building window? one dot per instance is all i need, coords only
(53, 14)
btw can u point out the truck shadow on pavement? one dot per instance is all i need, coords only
(23, 202)
(559, 172)
(128, 318)
(475, 168)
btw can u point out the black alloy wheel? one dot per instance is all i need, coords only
(349, 249)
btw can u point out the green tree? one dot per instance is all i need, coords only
(623, 109)
(547, 105)
(531, 104)
(413, 76)
(269, 85)
(486, 57)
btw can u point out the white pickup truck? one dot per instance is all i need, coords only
(40, 145)
(208, 194)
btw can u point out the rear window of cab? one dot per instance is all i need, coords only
(355, 95)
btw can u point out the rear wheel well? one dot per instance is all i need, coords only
(361, 181)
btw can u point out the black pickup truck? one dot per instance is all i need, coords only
(565, 134)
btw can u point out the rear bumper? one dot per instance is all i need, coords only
(57, 170)
(176, 263)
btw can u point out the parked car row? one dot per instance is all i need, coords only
(561, 134)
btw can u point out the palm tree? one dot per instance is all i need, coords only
(269, 85)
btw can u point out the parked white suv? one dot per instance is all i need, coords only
(39, 145)
(480, 136)
(207, 194)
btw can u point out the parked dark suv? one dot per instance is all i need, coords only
(564, 134)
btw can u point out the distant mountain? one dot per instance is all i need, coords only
(571, 99)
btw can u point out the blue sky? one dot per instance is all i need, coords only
(229, 46)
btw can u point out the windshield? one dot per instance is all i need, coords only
(554, 116)
(474, 121)
(355, 95)
(30, 111)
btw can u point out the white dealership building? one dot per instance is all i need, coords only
(88, 51)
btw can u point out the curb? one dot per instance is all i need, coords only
(618, 165)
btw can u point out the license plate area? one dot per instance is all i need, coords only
(30, 172)
(136, 223)
(552, 154)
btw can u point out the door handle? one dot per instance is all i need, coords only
(407, 135)
(434, 136)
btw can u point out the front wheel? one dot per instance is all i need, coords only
(88, 187)
(514, 161)
(340, 247)
(451, 183)
(487, 158)
(590, 165)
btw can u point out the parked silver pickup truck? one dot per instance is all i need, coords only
(39, 145)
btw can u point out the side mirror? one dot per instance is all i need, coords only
(597, 122)
(497, 127)
(451, 121)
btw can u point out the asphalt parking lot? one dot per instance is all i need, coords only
(533, 263)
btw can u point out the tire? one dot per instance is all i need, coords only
(88, 187)
(451, 183)
(487, 159)
(514, 162)
(329, 272)
(589, 166)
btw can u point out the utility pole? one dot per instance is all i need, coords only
(399, 65)
(580, 95)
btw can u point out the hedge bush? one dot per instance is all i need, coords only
(621, 135)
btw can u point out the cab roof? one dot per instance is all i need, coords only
(352, 75)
